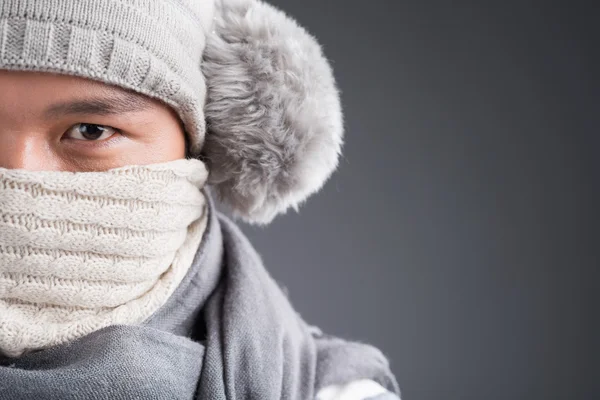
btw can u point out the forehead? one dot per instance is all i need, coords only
(36, 91)
(40, 81)
(33, 84)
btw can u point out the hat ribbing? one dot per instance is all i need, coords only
(153, 47)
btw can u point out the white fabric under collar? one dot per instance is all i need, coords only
(362, 389)
(83, 250)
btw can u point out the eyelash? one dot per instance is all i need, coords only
(83, 139)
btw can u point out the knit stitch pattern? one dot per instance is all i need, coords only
(153, 47)
(83, 250)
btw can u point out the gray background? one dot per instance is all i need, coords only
(459, 234)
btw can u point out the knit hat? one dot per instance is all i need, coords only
(254, 91)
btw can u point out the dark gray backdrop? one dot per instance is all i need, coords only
(459, 233)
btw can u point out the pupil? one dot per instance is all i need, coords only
(91, 131)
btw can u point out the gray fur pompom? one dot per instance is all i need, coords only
(274, 119)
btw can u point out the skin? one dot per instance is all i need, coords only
(55, 122)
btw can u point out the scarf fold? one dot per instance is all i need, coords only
(227, 332)
(83, 250)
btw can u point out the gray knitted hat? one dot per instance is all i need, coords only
(253, 89)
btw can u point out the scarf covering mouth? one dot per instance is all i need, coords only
(227, 332)
(80, 251)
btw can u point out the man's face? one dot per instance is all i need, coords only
(65, 123)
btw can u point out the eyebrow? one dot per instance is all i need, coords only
(116, 103)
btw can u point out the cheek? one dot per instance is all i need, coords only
(171, 146)
(168, 142)
(166, 145)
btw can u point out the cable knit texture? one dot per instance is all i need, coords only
(83, 250)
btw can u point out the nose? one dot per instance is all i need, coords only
(20, 150)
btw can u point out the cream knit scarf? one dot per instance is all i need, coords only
(83, 250)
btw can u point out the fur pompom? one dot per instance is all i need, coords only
(273, 112)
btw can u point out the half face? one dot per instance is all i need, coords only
(66, 123)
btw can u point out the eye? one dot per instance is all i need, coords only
(90, 132)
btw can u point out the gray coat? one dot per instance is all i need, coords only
(228, 332)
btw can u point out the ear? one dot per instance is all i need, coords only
(273, 112)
